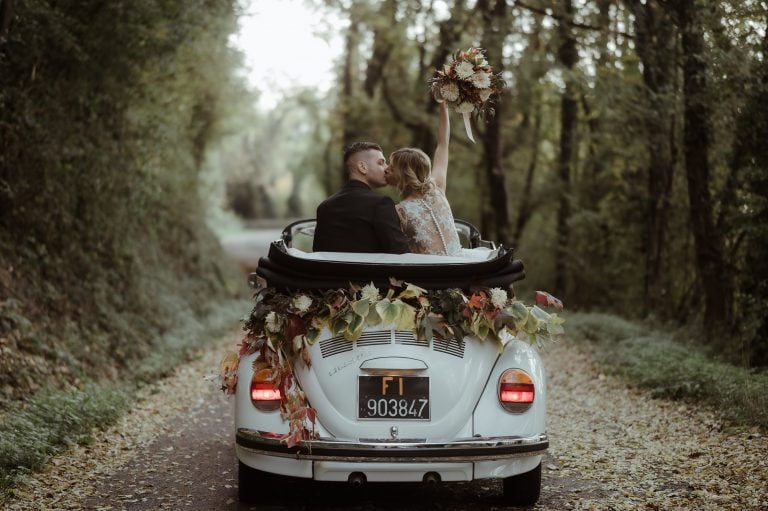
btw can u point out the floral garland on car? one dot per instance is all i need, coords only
(282, 326)
(466, 83)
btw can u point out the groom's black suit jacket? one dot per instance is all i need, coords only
(357, 219)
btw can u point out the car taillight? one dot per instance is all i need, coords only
(516, 390)
(265, 396)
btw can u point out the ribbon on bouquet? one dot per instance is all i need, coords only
(468, 126)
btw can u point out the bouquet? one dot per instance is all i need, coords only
(466, 83)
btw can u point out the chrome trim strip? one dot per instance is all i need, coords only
(461, 450)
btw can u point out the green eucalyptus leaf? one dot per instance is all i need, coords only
(373, 317)
(406, 316)
(387, 310)
(361, 307)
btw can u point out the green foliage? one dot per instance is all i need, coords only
(43, 425)
(32, 431)
(631, 248)
(650, 358)
(106, 113)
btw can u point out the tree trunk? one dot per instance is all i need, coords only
(495, 18)
(451, 31)
(656, 45)
(346, 96)
(712, 272)
(382, 46)
(533, 98)
(567, 55)
(6, 15)
(526, 200)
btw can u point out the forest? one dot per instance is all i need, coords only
(625, 162)
(106, 111)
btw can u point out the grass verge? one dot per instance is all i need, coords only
(654, 360)
(48, 422)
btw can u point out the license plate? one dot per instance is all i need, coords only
(393, 397)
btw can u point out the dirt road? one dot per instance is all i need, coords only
(612, 448)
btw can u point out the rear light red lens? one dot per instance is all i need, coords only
(516, 393)
(516, 390)
(265, 396)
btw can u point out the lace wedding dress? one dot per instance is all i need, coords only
(427, 223)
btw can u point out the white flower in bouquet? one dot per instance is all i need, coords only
(272, 322)
(370, 293)
(481, 80)
(450, 91)
(465, 70)
(498, 297)
(465, 107)
(466, 83)
(302, 303)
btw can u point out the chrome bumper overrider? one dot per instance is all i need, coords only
(461, 450)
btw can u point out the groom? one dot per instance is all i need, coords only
(357, 219)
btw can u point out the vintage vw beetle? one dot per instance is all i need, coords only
(390, 407)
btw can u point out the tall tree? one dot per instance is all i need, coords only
(348, 76)
(656, 45)
(712, 272)
(382, 45)
(495, 212)
(527, 204)
(567, 56)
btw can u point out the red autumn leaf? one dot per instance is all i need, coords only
(295, 326)
(547, 300)
(293, 438)
(478, 300)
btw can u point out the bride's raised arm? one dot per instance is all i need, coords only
(440, 161)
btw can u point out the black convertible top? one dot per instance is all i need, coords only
(285, 271)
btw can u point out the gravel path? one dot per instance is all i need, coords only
(612, 448)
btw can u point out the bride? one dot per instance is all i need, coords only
(425, 215)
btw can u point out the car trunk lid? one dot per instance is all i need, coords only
(390, 386)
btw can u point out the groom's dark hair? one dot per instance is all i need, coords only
(355, 148)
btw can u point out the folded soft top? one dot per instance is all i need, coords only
(285, 270)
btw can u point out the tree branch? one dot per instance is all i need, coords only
(567, 20)
(414, 126)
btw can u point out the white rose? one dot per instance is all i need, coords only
(449, 92)
(465, 108)
(464, 70)
(481, 80)
(302, 303)
(498, 297)
(370, 293)
(485, 94)
(272, 322)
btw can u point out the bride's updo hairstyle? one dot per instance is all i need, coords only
(412, 171)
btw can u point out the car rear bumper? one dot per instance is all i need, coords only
(406, 451)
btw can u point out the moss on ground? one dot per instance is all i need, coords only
(661, 361)
(52, 419)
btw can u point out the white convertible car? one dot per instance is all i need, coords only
(390, 406)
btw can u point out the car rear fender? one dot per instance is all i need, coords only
(490, 419)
